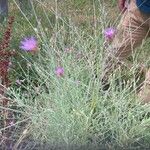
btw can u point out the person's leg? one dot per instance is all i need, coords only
(133, 28)
(3, 9)
(144, 93)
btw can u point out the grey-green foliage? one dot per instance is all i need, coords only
(73, 109)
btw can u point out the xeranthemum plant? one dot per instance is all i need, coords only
(64, 106)
(64, 113)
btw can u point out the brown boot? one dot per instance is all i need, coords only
(144, 93)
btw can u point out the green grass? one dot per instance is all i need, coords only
(72, 110)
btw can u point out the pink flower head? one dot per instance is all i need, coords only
(29, 44)
(109, 33)
(59, 71)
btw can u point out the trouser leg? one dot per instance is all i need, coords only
(133, 28)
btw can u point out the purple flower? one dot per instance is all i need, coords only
(29, 44)
(59, 71)
(109, 33)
